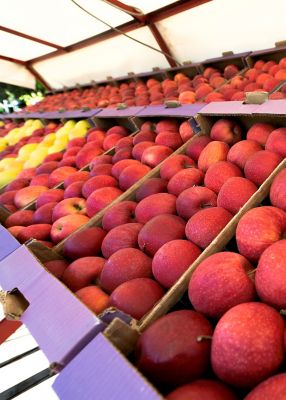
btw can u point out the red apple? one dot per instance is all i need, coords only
(154, 155)
(226, 130)
(213, 152)
(59, 175)
(124, 265)
(72, 206)
(94, 298)
(260, 132)
(100, 199)
(66, 225)
(247, 344)
(85, 243)
(260, 165)
(98, 182)
(186, 359)
(44, 214)
(39, 232)
(119, 214)
(202, 389)
(258, 229)
(156, 204)
(27, 195)
(278, 190)
(272, 388)
(175, 164)
(20, 218)
(51, 195)
(242, 151)
(192, 200)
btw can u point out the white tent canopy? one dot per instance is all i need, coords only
(50, 40)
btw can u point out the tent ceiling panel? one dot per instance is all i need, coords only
(113, 57)
(149, 6)
(60, 21)
(16, 74)
(223, 25)
(20, 48)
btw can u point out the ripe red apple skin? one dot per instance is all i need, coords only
(99, 160)
(167, 267)
(132, 174)
(101, 169)
(28, 194)
(193, 199)
(240, 152)
(56, 267)
(79, 176)
(139, 149)
(270, 275)
(120, 237)
(73, 190)
(258, 229)
(122, 154)
(185, 179)
(66, 225)
(147, 136)
(156, 204)
(213, 152)
(260, 165)
(186, 358)
(44, 214)
(59, 175)
(27, 173)
(121, 165)
(119, 214)
(154, 155)
(235, 193)
(278, 190)
(260, 132)
(94, 298)
(174, 165)
(49, 196)
(124, 265)
(20, 218)
(186, 131)
(150, 187)
(272, 388)
(137, 296)
(8, 197)
(40, 180)
(47, 167)
(87, 154)
(86, 243)
(72, 206)
(203, 227)
(39, 232)
(226, 130)
(276, 142)
(218, 173)
(82, 272)
(15, 230)
(100, 199)
(17, 184)
(202, 389)
(198, 143)
(169, 139)
(247, 344)
(221, 282)
(117, 129)
(160, 230)
(98, 182)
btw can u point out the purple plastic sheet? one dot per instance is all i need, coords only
(228, 107)
(101, 372)
(115, 113)
(187, 110)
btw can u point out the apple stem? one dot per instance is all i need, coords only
(283, 312)
(251, 273)
(203, 337)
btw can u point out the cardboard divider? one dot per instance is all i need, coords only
(189, 69)
(238, 59)
(119, 113)
(272, 54)
(58, 321)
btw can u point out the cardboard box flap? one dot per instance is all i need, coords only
(271, 50)
(58, 321)
(8, 243)
(228, 108)
(106, 376)
(275, 107)
(18, 269)
(115, 113)
(186, 110)
(238, 59)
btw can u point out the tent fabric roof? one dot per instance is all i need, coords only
(62, 45)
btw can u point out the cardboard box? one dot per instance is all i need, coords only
(227, 58)
(8, 243)
(272, 54)
(60, 323)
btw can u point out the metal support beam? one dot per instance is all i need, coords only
(34, 39)
(37, 75)
(161, 42)
(13, 60)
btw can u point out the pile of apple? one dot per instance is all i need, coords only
(60, 209)
(264, 76)
(182, 88)
(232, 343)
(145, 246)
